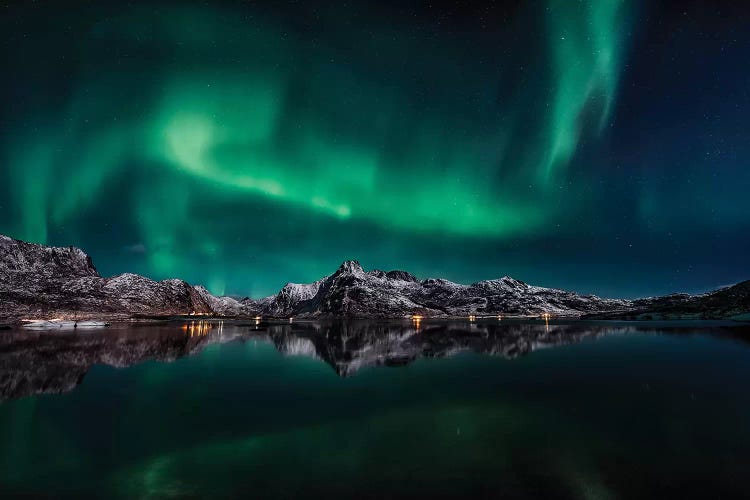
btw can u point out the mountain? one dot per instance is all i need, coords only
(351, 291)
(730, 302)
(228, 306)
(37, 281)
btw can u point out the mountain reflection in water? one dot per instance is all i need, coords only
(307, 410)
(38, 362)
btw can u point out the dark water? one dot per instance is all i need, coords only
(374, 410)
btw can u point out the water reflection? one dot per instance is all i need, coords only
(201, 328)
(35, 362)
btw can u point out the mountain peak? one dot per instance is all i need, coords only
(350, 266)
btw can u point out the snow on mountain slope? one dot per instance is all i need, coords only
(227, 306)
(43, 282)
(283, 304)
(352, 291)
(38, 281)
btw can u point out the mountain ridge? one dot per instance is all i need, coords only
(42, 282)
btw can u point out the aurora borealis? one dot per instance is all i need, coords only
(600, 145)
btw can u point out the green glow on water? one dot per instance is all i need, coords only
(579, 421)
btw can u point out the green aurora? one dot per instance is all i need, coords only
(241, 149)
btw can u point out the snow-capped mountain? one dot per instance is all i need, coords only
(38, 281)
(352, 291)
(287, 301)
(227, 306)
(42, 282)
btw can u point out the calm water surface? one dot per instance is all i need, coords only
(373, 410)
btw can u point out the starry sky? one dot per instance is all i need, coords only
(600, 146)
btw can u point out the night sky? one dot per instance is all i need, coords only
(601, 146)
